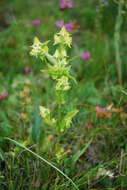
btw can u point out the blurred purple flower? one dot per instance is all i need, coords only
(99, 108)
(86, 55)
(36, 22)
(3, 95)
(68, 26)
(65, 4)
(59, 23)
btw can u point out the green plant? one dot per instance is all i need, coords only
(59, 70)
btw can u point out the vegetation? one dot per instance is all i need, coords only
(63, 94)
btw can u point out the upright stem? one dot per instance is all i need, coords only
(118, 25)
(59, 111)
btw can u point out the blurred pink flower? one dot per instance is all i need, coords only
(36, 22)
(68, 26)
(86, 55)
(59, 23)
(3, 95)
(65, 4)
(99, 108)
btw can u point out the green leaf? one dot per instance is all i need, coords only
(78, 154)
(36, 127)
(68, 118)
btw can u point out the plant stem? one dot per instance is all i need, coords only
(117, 41)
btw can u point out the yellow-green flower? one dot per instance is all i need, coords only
(38, 48)
(44, 112)
(62, 84)
(63, 37)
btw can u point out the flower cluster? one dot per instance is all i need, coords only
(57, 66)
(38, 48)
(63, 38)
(46, 115)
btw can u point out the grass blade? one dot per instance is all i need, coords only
(41, 158)
(80, 152)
